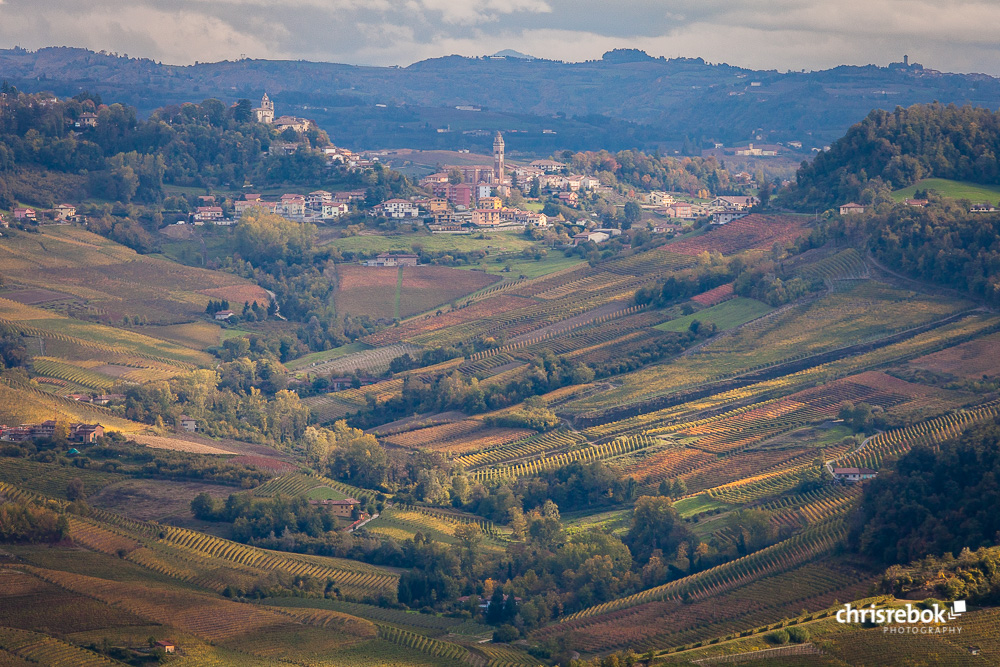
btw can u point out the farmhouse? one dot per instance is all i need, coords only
(725, 217)
(851, 209)
(344, 508)
(207, 213)
(595, 237)
(224, 314)
(77, 432)
(853, 474)
(187, 424)
(397, 208)
(740, 203)
(86, 119)
(64, 211)
(167, 645)
(392, 259)
(25, 214)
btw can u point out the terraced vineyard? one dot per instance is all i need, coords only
(371, 362)
(527, 447)
(45, 650)
(779, 557)
(591, 453)
(932, 433)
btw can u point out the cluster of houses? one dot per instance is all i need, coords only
(78, 432)
(60, 213)
(443, 217)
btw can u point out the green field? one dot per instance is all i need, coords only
(492, 242)
(692, 505)
(529, 268)
(726, 315)
(974, 192)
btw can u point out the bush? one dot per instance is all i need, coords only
(777, 637)
(505, 634)
(799, 635)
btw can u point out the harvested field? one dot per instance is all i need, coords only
(367, 290)
(239, 294)
(484, 309)
(155, 500)
(197, 335)
(971, 360)
(755, 231)
(177, 444)
(458, 438)
(33, 297)
(425, 287)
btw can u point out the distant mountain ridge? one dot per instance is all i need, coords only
(627, 99)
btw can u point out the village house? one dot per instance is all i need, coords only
(725, 217)
(187, 424)
(548, 166)
(981, 208)
(167, 646)
(568, 198)
(77, 432)
(224, 314)
(64, 211)
(594, 236)
(853, 474)
(739, 203)
(851, 209)
(207, 214)
(317, 198)
(486, 217)
(86, 119)
(494, 203)
(677, 210)
(393, 259)
(918, 203)
(666, 228)
(397, 208)
(342, 383)
(343, 508)
(331, 210)
(25, 214)
(291, 206)
(291, 123)
(658, 198)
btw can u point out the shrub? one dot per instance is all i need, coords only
(777, 637)
(799, 635)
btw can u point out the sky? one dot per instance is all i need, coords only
(759, 34)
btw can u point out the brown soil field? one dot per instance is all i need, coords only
(970, 360)
(150, 499)
(33, 297)
(237, 295)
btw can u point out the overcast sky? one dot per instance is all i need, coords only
(949, 35)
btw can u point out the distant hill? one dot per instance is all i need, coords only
(511, 53)
(627, 99)
(893, 150)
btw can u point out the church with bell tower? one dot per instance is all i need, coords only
(498, 168)
(265, 112)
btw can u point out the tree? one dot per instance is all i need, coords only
(75, 490)
(655, 525)
(243, 111)
(632, 214)
(203, 507)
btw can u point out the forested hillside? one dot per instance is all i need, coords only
(644, 101)
(890, 150)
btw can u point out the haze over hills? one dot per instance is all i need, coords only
(627, 99)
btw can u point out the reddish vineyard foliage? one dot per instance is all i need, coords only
(754, 231)
(714, 296)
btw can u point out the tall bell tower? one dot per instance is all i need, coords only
(498, 158)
